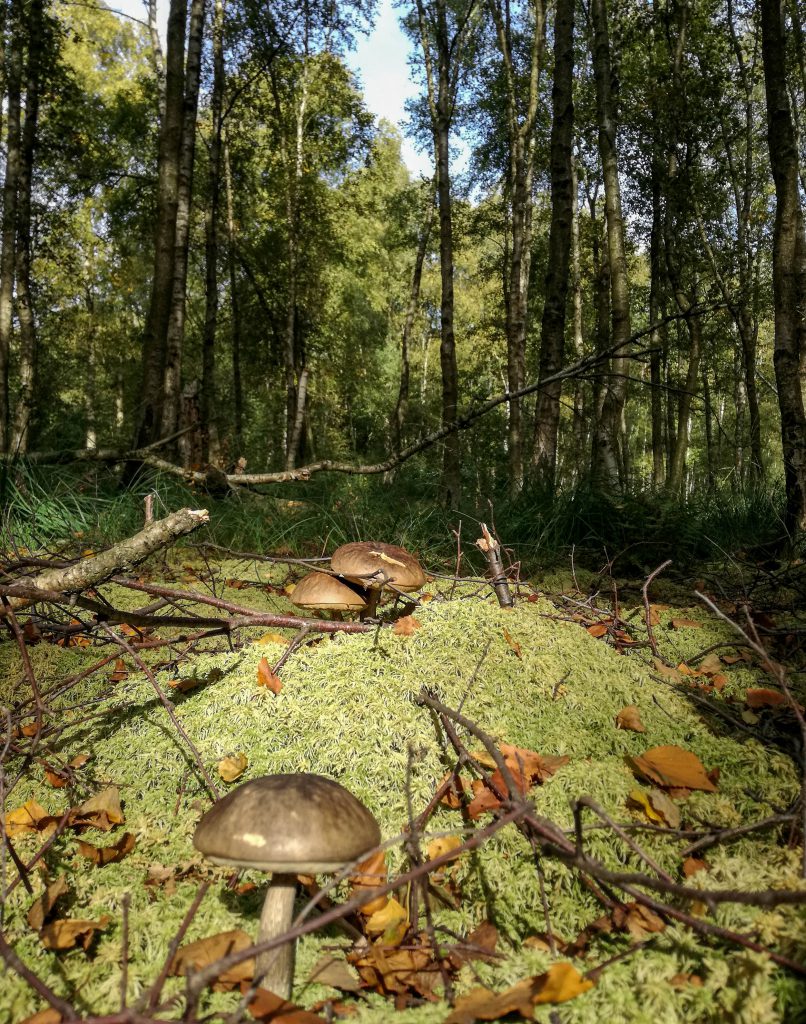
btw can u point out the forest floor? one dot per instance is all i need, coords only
(552, 677)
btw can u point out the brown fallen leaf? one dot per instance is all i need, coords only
(120, 672)
(630, 718)
(187, 683)
(513, 645)
(41, 908)
(480, 944)
(638, 920)
(761, 697)
(691, 865)
(103, 855)
(685, 624)
(102, 811)
(443, 844)
(560, 983)
(232, 767)
(60, 777)
(31, 817)
(329, 970)
(672, 766)
(391, 971)
(371, 873)
(48, 1016)
(682, 980)
(598, 629)
(267, 677)
(67, 934)
(203, 952)
(271, 638)
(406, 625)
(268, 1008)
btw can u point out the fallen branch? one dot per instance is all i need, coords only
(89, 572)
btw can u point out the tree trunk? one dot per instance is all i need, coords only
(21, 429)
(402, 404)
(609, 459)
(237, 384)
(209, 433)
(155, 336)
(686, 396)
(176, 321)
(8, 259)
(520, 130)
(552, 346)
(789, 264)
(578, 339)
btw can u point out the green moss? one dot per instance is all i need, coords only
(347, 710)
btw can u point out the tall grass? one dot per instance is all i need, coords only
(43, 508)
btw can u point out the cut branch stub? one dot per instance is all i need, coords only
(491, 550)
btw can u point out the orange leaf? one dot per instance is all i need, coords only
(371, 873)
(266, 677)
(598, 629)
(691, 865)
(514, 646)
(48, 1016)
(120, 672)
(560, 983)
(267, 1008)
(103, 855)
(672, 766)
(406, 625)
(31, 817)
(685, 624)
(761, 697)
(630, 718)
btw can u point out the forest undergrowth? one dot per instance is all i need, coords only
(591, 804)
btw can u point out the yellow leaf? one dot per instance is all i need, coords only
(28, 818)
(101, 811)
(562, 982)
(444, 844)
(271, 638)
(232, 767)
(65, 934)
(639, 797)
(672, 766)
(391, 923)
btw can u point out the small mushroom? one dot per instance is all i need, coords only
(319, 592)
(289, 825)
(374, 564)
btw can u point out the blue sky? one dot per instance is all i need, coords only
(380, 61)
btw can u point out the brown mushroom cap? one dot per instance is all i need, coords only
(358, 561)
(296, 823)
(318, 590)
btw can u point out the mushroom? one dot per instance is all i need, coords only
(289, 825)
(374, 565)
(319, 592)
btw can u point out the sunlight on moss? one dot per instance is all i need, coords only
(347, 710)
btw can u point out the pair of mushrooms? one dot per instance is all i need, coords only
(289, 825)
(367, 567)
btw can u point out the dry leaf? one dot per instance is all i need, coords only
(371, 873)
(334, 972)
(444, 844)
(203, 952)
(638, 920)
(391, 922)
(560, 983)
(598, 629)
(391, 971)
(271, 638)
(31, 817)
(711, 664)
(513, 645)
(479, 945)
(100, 856)
(266, 677)
(187, 683)
(406, 625)
(66, 934)
(691, 865)
(761, 697)
(685, 624)
(232, 767)
(59, 777)
(666, 670)
(666, 808)
(630, 718)
(672, 766)
(640, 798)
(48, 1016)
(120, 672)
(101, 811)
(41, 908)
(268, 1008)
(682, 980)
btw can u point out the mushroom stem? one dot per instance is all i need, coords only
(275, 968)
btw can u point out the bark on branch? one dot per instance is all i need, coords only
(89, 572)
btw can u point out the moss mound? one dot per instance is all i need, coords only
(347, 711)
